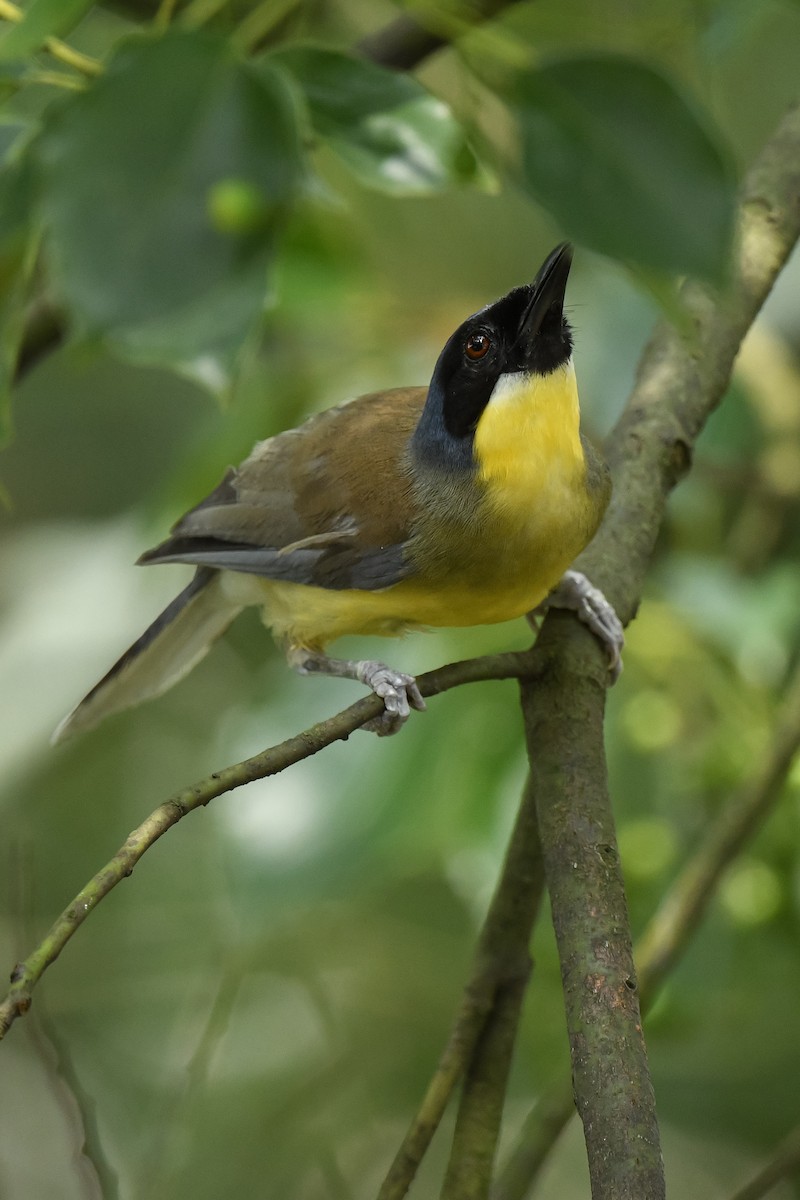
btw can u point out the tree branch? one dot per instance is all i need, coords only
(482, 1037)
(670, 930)
(83, 63)
(785, 1163)
(505, 941)
(685, 904)
(565, 712)
(404, 43)
(27, 974)
(473, 1011)
(543, 1126)
(469, 1170)
(682, 378)
(613, 1092)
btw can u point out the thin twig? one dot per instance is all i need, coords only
(27, 974)
(58, 79)
(685, 904)
(165, 13)
(60, 50)
(492, 994)
(785, 1164)
(197, 12)
(98, 1178)
(259, 22)
(476, 1001)
(469, 1170)
(404, 43)
(158, 1180)
(541, 1130)
(95, 1177)
(505, 940)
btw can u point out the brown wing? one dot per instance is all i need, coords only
(328, 503)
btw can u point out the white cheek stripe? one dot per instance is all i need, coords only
(514, 384)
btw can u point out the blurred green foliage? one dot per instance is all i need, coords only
(259, 1008)
(616, 132)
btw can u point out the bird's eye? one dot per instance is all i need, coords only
(477, 346)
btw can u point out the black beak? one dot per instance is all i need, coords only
(548, 289)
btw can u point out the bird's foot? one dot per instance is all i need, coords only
(398, 691)
(576, 593)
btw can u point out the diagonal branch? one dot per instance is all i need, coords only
(504, 942)
(469, 1171)
(405, 42)
(685, 904)
(65, 54)
(482, 1037)
(785, 1164)
(540, 1131)
(27, 974)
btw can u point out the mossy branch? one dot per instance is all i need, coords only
(682, 377)
(613, 1092)
(670, 929)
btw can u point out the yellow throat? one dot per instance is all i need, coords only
(527, 443)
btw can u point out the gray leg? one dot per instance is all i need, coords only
(576, 593)
(398, 691)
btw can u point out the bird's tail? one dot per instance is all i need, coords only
(165, 652)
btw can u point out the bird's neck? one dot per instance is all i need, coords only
(527, 441)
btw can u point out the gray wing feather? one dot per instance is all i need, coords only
(336, 567)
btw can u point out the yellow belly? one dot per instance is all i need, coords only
(312, 617)
(499, 590)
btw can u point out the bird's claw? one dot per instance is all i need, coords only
(398, 691)
(575, 592)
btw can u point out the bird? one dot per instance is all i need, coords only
(463, 503)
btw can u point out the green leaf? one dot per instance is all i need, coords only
(12, 77)
(613, 150)
(43, 19)
(130, 168)
(14, 130)
(391, 133)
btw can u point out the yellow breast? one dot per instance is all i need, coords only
(528, 449)
(532, 467)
